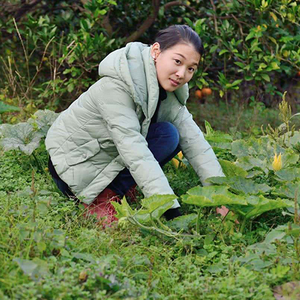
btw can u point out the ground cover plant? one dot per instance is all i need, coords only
(49, 251)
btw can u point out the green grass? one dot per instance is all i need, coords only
(237, 117)
(49, 251)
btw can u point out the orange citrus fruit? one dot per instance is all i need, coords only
(206, 91)
(198, 94)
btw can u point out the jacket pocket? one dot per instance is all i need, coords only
(83, 152)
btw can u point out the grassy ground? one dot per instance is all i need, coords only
(49, 251)
(237, 117)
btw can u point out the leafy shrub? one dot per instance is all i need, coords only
(49, 55)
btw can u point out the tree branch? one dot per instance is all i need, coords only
(179, 3)
(147, 23)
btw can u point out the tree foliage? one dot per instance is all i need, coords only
(50, 50)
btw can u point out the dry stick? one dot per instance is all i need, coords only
(39, 67)
(23, 46)
(9, 74)
(222, 221)
(56, 68)
(215, 18)
(296, 216)
(12, 79)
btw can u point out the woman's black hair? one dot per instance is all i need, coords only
(179, 34)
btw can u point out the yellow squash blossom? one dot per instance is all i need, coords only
(277, 162)
(177, 162)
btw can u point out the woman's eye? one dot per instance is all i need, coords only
(177, 61)
(192, 69)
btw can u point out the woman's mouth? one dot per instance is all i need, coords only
(174, 82)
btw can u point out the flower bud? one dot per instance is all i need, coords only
(277, 162)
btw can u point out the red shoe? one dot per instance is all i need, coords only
(102, 208)
(131, 195)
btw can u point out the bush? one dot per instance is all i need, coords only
(50, 52)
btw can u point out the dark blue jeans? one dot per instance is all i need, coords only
(163, 142)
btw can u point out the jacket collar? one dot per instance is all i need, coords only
(134, 66)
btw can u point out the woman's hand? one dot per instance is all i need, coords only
(223, 211)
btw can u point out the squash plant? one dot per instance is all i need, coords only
(263, 175)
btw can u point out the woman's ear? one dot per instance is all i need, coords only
(155, 50)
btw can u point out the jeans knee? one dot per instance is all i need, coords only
(170, 134)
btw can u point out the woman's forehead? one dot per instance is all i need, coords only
(186, 51)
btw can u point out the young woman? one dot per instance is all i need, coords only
(126, 126)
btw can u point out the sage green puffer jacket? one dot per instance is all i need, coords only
(104, 130)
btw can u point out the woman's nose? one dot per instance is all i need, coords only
(180, 73)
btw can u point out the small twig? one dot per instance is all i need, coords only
(23, 46)
(214, 16)
(39, 67)
(296, 216)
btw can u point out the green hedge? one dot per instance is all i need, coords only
(50, 54)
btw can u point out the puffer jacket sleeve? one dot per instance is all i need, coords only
(195, 147)
(117, 108)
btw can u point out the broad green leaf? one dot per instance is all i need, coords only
(217, 139)
(262, 248)
(249, 162)
(212, 196)
(257, 205)
(254, 173)
(143, 216)
(240, 148)
(123, 209)
(241, 65)
(84, 256)
(230, 169)
(294, 231)
(183, 222)
(213, 48)
(157, 205)
(289, 158)
(259, 264)
(250, 35)
(275, 66)
(289, 190)
(220, 137)
(241, 185)
(265, 77)
(277, 233)
(291, 140)
(223, 51)
(43, 119)
(21, 136)
(7, 108)
(26, 265)
(289, 174)
(35, 268)
(219, 145)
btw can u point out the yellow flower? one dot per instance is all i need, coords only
(177, 163)
(277, 162)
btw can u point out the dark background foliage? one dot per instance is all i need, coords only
(50, 50)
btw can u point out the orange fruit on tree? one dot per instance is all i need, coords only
(298, 74)
(206, 91)
(198, 94)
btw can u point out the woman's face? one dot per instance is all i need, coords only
(175, 66)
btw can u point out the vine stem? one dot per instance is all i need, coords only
(197, 222)
(242, 228)
(175, 235)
